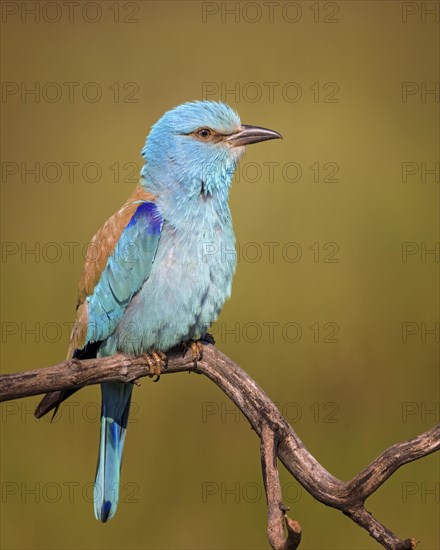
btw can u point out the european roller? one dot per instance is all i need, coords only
(158, 275)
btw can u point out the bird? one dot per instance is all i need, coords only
(159, 276)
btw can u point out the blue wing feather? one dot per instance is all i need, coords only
(125, 272)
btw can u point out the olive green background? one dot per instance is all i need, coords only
(191, 474)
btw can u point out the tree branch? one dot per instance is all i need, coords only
(276, 510)
(277, 436)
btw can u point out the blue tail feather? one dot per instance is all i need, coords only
(116, 399)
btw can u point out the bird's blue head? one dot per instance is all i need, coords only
(195, 147)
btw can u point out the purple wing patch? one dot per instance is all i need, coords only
(149, 214)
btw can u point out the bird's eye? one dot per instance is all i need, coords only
(204, 133)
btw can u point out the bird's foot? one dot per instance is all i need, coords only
(196, 348)
(156, 361)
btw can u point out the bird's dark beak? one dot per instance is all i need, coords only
(251, 134)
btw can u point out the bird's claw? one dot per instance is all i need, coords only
(156, 361)
(196, 348)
